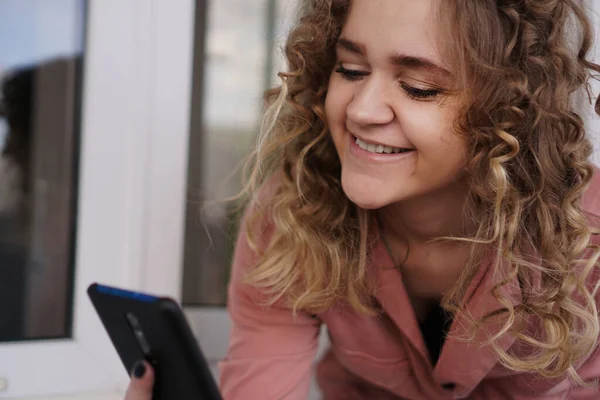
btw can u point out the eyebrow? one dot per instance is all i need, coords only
(399, 60)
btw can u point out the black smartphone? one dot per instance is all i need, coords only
(143, 326)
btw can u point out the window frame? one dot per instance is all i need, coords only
(132, 172)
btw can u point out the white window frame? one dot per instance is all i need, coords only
(133, 166)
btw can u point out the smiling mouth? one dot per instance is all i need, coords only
(380, 149)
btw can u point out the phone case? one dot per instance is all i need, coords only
(142, 326)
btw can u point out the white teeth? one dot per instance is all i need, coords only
(378, 149)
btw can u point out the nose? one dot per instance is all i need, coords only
(369, 105)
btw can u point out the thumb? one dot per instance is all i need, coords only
(142, 381)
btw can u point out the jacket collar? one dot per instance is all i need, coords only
(464, 361)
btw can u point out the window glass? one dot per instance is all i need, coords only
(240, 56)
(41, 45)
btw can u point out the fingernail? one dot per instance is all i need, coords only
(139, 369)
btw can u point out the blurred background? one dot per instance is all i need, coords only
(122, 126)
(42, 61)
(51, 52)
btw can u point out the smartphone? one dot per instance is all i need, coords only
(142, 326)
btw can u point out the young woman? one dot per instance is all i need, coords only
(422, 187)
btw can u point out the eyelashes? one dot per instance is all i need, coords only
(420, 93)
(412, 92)
(351, 74)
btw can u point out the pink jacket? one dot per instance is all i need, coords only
(271, 352)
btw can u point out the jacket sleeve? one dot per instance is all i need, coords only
(271, 350)
(567, 390)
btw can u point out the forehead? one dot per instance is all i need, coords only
(395, 26)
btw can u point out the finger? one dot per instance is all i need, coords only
(142, 380)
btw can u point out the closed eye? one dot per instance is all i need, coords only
(351, 74)
(420, 94)
(414, 93)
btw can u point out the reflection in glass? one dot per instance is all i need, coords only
(40, 71)
(234, 64)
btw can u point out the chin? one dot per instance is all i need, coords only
(368, 205)
(365, 199)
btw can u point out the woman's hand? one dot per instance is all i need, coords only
(142, 380)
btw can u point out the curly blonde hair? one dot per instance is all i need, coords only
(518, 64)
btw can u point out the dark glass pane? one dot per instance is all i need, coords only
(41, 45)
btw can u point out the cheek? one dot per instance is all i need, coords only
(432, 133)
(445, 141)
(335, 109)
(329, 109)
(448, 158)
(335, 113)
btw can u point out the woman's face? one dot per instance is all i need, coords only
(388, 106)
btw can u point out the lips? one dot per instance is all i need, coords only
(376, 153)
(379, 148)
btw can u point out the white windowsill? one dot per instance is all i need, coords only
(314, 392)
(83, 396)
